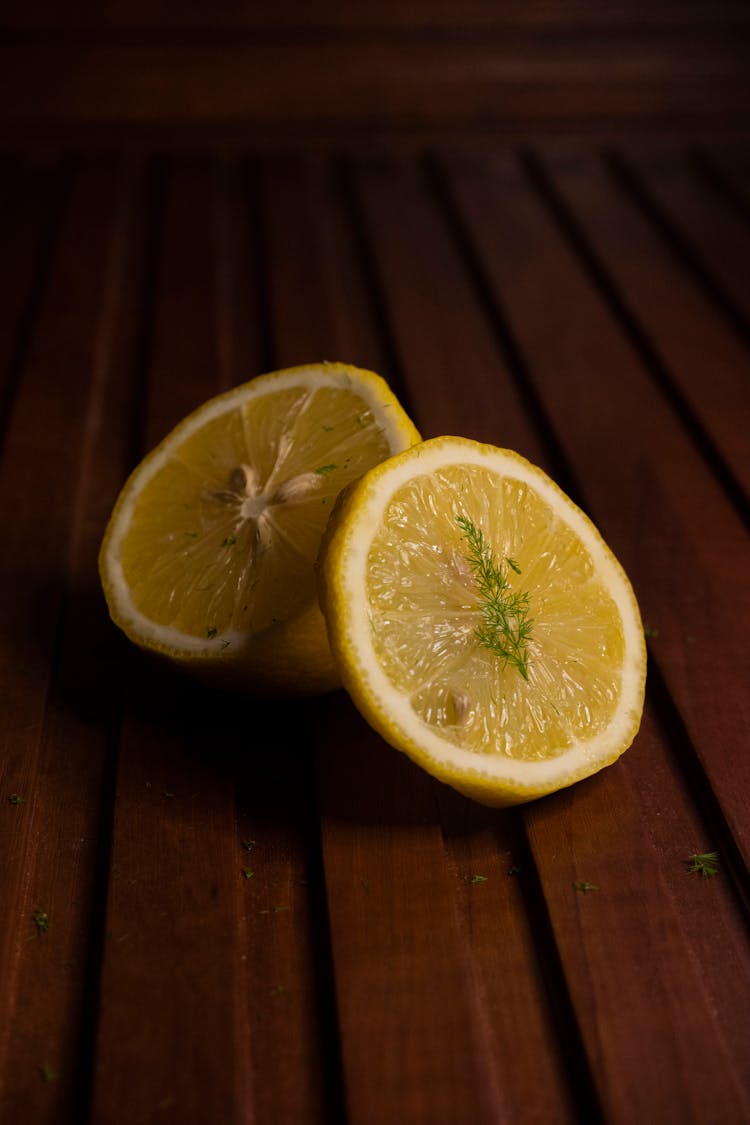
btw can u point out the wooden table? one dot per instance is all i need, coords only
(398, 954)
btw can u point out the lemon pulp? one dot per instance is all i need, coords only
(223, 536)
(425, 611)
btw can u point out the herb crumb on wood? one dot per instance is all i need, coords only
(705, 864)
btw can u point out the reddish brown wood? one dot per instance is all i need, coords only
(688, 203)
(393, 932)
(628, 964)
(613, 839)
(369, 85)
(703, 358)
(732, 164)
(662, 511)
(358, 973)
(28, 217)
(182, 917)
(57, 693)
(238, 270)
(502, 929)
(418, 15)
(443, 341)
(408, 1004)
(317, 304)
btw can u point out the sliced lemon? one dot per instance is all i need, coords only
(209, 555)
(481, 623)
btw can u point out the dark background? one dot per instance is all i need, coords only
(295, 71)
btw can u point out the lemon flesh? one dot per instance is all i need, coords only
(405, 613)
(209, 556)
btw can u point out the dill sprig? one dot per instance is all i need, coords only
(705, 864)
(506, 628)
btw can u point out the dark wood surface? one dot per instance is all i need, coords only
(317, 72)
(534, 220)
(588, 306)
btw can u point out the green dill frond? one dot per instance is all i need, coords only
(706, 864)
(506, 628)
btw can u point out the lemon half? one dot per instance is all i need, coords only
(208, 556)
(481, 623)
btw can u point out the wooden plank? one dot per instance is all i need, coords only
(414, 14)
(394, 928)
(402, 979)
(28, 221)
(239, 271)
(521, 1002)
(711, 237)
(57, 658)
(289, 999)
(193, 1022)
(368, 84)
(317, 304)
(438, 333)
(702, 358)
(453, 1000)
(600, 831)
(624, 943)
(422, 282)
(685, 548)
(383, 961)
(728, 170)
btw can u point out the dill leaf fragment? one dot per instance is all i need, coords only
(705, 864)
(41, 921)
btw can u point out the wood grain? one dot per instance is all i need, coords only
(394, 205)
(514, 15)
(686, 201)
(695, 354)
(315, 75)
(566, 331)
(55, 747)
(268, 914)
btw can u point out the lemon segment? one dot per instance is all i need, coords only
(209, 555)
(405, 616)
